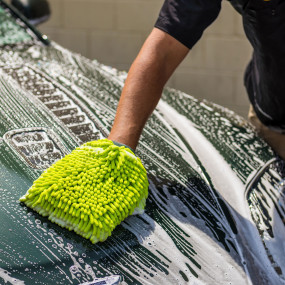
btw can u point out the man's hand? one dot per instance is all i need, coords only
(155, 63)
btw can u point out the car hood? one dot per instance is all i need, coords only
(204, 219)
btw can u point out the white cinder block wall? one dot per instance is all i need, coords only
(112, 31)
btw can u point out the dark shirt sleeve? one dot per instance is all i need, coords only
(185, 20)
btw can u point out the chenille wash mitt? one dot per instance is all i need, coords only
(91, 190)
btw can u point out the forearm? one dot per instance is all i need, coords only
(143, 88)
(139, 97)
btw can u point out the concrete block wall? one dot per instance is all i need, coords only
(112, 31)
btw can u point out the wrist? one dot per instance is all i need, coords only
(122, 144)
(130, 141)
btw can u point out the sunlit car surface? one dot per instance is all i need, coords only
(216, 209)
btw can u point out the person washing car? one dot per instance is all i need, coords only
(94, 188)
(178, 28)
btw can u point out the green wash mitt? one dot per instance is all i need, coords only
(91, 190)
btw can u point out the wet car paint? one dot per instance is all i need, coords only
(203, 220)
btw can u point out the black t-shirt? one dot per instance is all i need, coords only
(264, 25)
(185, 20)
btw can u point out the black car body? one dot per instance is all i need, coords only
(215, 212)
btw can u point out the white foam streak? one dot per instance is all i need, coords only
(5, 275)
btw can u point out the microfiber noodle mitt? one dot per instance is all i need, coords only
(91, 190)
